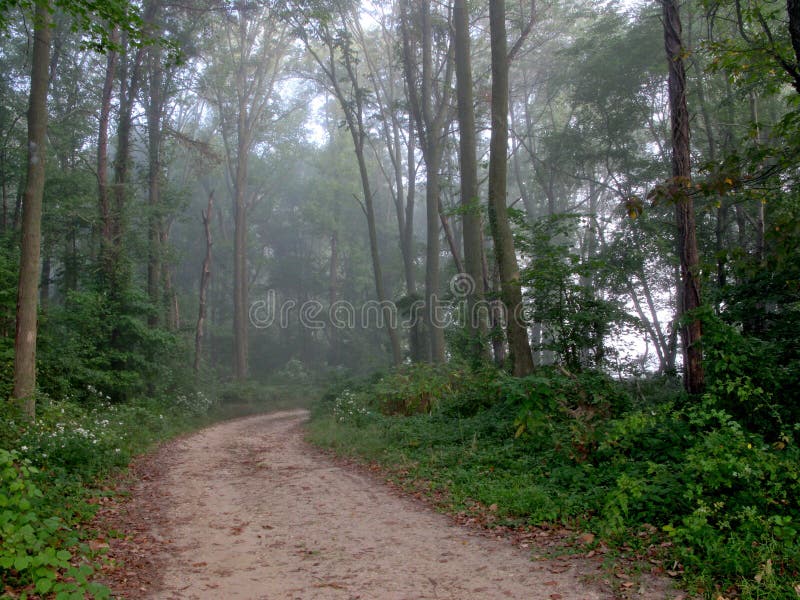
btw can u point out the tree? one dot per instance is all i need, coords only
(85, 15)
(505, 254)
(429, 89)
(398, 133)
(28, 290)
(468, 166)
(689, 298)
(339, 67)
(243, 92)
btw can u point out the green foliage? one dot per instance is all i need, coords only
(8, 300)
(576, 320)
(32, 544)
(414, 389)
(94, 341)
(91, 18)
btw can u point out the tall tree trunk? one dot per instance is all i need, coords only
(155, 108)
(334, 356)
(415, 338)
(689, 287)
(433, 158)
(496, 323)
(432, 272)
(205, 279)
(240, 313)
(452, 242)
(27, 294)
(476, 321)
(102, 151)
(358, 133)
(505, 255)
(430, 124)
(116, 271)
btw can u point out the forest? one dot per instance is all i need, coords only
(537, 262)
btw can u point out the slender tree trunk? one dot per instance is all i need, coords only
(240, 312)
(117, 273)
(505, 255)
(433, 159)
(496, 323)
(649, 329)
(205, 279)
(415, 338)
(369, 208)
(18, 205)
(476, 321)
(452, 242)
(155, 107)
(689, 288)
(334, 357)
(27, 294)
(430, 123)
(432, 273)
(102, 151)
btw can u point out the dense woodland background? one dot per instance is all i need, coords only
(622, 178)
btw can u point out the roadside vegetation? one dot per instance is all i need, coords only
(702, 489)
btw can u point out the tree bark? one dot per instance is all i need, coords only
(205, 279)
(415, 338)
(240, 280)
(102, 150)
(334, 357)
(476, 321)
(505, 254)
(155, 109)
(27, 295)
(117, 273)
(689, 286)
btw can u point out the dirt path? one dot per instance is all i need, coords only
(246, 509)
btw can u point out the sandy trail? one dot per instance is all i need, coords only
(248, 510)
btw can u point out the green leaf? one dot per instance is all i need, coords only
(21, 562)
(63, 555)
(44, 585)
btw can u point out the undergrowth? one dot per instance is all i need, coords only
(615, 459)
